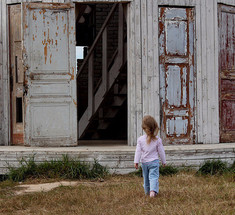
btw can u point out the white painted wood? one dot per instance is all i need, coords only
(229, 2)
(198, 66)
(5, 77)
(102, 1)
(204, 63)
(156, 73)
(144, 58)
(138, 72)
(51, 116)
(150, 72)
(215, 108)
(210, 66)
(117, 158)
(177, 2)
(131, 74)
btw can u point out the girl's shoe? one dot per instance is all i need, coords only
(152, 194)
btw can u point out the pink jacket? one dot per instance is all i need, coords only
(149, 152)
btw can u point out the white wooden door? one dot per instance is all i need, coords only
(50, 79)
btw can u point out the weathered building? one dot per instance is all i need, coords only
(173, 59)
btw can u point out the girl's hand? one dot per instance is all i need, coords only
(164, 165)
(136, 165)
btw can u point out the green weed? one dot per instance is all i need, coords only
(65, 168)
(213, 167)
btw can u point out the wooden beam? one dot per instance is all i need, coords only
(91, 86)
(104, 60)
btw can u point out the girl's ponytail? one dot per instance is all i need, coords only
(150, 127)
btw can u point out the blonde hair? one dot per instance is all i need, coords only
(150, 127)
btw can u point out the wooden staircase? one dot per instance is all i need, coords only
(107, 97)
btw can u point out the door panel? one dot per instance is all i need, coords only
(177, 93)
(227, 72)
(17, 124)
(50, 83)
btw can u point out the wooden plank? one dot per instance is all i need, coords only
(210, 66)
(228, 2)
(156, 73)
(150, 47)
(5, 90)
(138, 72)
(198, 51)
(215, 108)
(204, 69)
(102, 1)
(120, 161)
(131, 74)
(91, 85)
(104, 60)
(177, 2)
(144, 57)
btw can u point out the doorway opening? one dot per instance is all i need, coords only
(101, 59)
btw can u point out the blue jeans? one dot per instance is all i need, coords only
(151, 175)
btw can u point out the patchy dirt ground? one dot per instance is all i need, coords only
(45, 187)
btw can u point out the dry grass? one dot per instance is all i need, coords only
(183, 193)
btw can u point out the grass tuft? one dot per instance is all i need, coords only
(65, 168)
(213, 167)
(168, 170)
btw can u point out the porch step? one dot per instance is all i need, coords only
(116, 155)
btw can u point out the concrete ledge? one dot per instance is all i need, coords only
(118, 158)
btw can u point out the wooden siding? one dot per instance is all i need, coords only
(143, 69)
(142, 96)
(119, 159)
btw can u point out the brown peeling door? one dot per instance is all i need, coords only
(50, 74)
(227, 72)
(177, 94)
(16, 75)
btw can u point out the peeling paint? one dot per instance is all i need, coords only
(176, 40)
(45, 53)
(72, 75)
(34, 17)
(64, 28)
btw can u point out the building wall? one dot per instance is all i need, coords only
(143, 65)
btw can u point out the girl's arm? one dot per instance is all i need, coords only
(161, 151)
(137, 154)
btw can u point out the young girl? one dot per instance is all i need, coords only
(147, 150)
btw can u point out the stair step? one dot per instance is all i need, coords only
(118, 91)
(118, 101)
(103, 125)
(110, 113)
